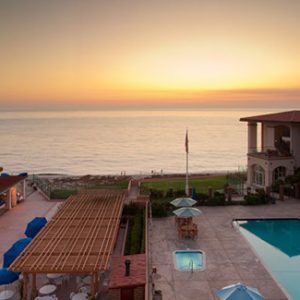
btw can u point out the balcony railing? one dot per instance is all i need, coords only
(271, 155)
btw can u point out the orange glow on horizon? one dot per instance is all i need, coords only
(196, 53)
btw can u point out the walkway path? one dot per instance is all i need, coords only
(134, 191)
(13, 223)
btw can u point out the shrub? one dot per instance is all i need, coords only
(156, 194)
(170, 193)
(135, 242)
(131, 209)
(62, 194)
(142, 250)
(217, 200)
(136, 235)
(159, 209)
(276, 185)
(179, 193)
(259, 197)
(201, 196)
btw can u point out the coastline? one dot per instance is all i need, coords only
(145, 178)
(76, 182)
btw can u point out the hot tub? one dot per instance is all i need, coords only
(189, 260)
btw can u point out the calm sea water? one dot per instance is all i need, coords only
(111, 142)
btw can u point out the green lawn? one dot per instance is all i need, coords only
(201, 185)
(117, 185)
(61, 193)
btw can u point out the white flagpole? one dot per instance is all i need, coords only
(187, 163)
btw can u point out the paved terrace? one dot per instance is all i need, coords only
(229, 258)
(13, 223)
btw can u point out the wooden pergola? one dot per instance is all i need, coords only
(79, 239)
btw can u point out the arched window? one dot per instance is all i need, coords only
(258, 175)
(279, 173)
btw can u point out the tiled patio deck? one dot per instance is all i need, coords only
(229, 258)
(13, 223)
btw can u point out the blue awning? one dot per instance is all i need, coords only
(14, 251)
(34, 226)
(7, 277)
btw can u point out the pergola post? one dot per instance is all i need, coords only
(34, 291)
(24, 189)
(93, 283)
(97, 282)
(25, 283)
(8, 199)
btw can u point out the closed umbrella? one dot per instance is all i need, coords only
(181, 202)
(187, 212)
(34, 226)
(14, 251)
(239, 291)
(7, 277)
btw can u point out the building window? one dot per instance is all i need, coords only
(279, 173)
(258, 175)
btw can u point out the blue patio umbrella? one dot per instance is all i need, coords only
(24, 174)
(239, 291)
(14, 251)
(181, 202)
(7, 277)
(34, 226)
(187, 212)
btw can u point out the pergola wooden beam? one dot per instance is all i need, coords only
(79, 238)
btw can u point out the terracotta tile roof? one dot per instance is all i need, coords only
(137, 271)
(286, 117)
(8, 181)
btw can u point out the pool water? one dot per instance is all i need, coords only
(189, 260)
(277, 243)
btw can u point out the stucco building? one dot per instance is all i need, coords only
(12, 190)
(278, 154)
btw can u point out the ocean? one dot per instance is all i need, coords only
(130, 142)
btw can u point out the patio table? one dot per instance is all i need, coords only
(6, 294)
(80, 296)
(188, 230)
(47, 289)
(87, 280)
(54, 275)
(44, 298)
(183, 221)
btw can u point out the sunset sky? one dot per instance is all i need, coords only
(88, 53)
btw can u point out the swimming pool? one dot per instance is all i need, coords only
(189, 260)
(277, 243)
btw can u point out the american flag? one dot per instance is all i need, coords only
(186, 142)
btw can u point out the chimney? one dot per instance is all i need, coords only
(127, 267)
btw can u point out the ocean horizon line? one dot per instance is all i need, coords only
(158, 108)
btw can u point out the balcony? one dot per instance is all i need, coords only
(271, 155)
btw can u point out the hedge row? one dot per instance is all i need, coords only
(135, 243)
(62, 194)
(260, 197)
